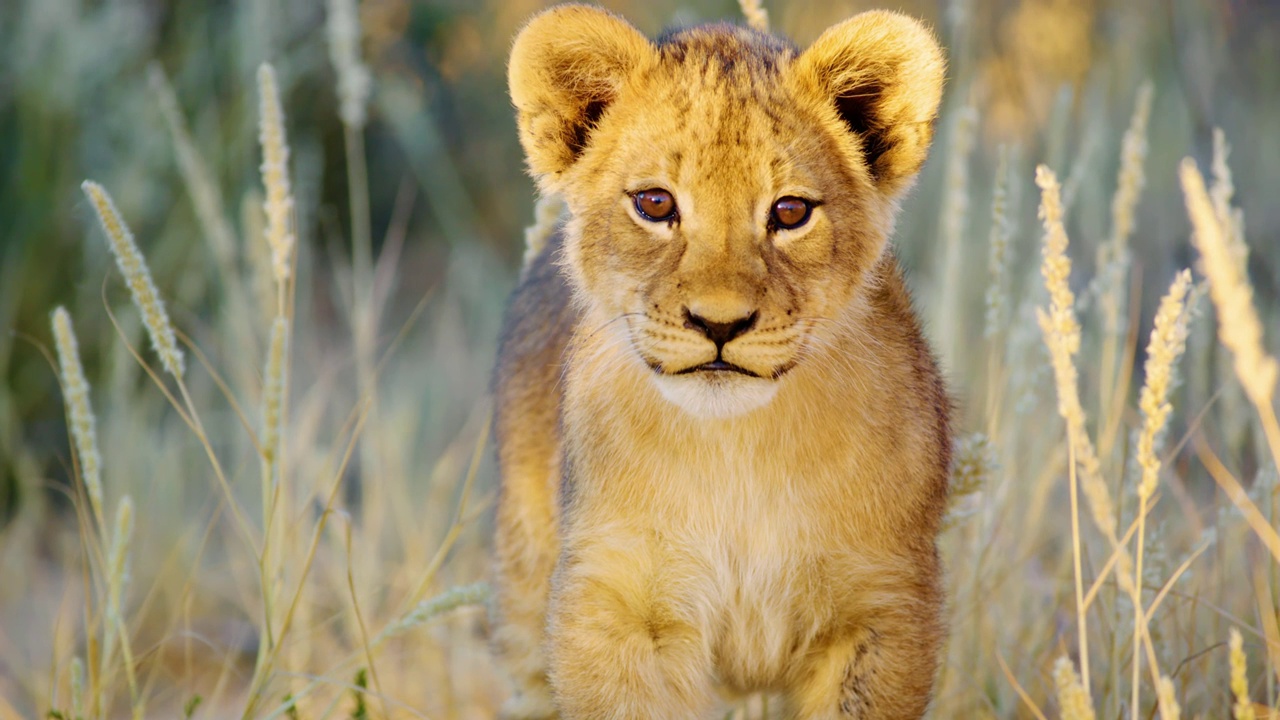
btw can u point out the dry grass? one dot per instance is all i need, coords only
(300, 468)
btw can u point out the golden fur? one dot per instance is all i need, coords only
(669, 538)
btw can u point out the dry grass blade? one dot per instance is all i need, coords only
(1017, 687)
(1173, 578)
(1235, 492)
(193, 422)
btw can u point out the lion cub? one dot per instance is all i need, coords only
(724, 443)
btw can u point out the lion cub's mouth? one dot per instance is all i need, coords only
(718, 366)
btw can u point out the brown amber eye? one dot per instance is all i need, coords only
(655, 205)
(791, 212)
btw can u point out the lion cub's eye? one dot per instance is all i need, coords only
(656, 205)
(790, 212)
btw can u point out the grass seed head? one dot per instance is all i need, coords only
(973, 467)
(447, 601)
(1168, 340)
(1073, 699)
(1133, 153)
(1113, 255)
(1243, 707)
(354, 79)
(1169, 708)
(1238, 325)
(84, 430)
(136, 274)
(275, 173)
(757, 17)
(1221, 191)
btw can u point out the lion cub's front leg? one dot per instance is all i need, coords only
(881, 671)
(618, 649)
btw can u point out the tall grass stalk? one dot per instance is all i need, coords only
(1168, 340)
(280, 238)
(365, 319)
(997, 295)
(1062, 335)
(354, 84)
(273, 402)
(113, 625)
(1114, 259)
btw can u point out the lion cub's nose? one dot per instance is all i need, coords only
(716, 331)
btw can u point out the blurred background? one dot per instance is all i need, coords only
(83, 95)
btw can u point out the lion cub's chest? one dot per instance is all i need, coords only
(758, 542)
(750, 550)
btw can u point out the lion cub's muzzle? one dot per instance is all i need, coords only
(719, 333)
(721, 345)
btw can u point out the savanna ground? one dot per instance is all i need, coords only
(294, 522)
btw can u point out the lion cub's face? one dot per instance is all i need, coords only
(727, 195)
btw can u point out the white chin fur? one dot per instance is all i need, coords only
(716, 394)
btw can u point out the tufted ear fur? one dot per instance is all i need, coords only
(881, 73)
(566, 66)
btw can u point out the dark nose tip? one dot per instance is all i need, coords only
(719, 332)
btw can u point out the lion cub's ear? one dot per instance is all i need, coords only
(881, 73)
(567, 65)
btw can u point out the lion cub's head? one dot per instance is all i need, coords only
(728, 194)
